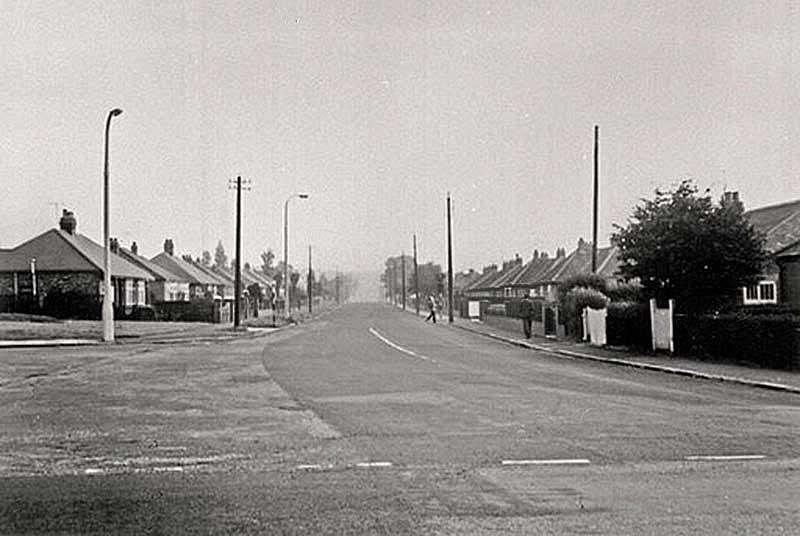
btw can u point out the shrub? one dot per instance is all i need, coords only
(625, 292)
(574, 302)
(628, 324)
(592, 281)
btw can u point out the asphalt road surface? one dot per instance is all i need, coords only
(370, 421)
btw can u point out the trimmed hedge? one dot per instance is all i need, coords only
(628, 324)
(771, 341)
(185, 311)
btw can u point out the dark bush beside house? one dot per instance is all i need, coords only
(72, 304)
(628, 324)
(765, 340)
(573, 303)
(191, 311)
(136, 312)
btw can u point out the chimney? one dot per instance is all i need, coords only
(114, 245)
(134, 248)
(68, 223)
(517, 260)
(581, 243)
(731, 199)
(562, 252)
(535, 254)
(169, 247)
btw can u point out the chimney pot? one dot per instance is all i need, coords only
(68, 223)
(114, 245)
(169, 247)
(134, 248)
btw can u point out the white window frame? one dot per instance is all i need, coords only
(760, 289)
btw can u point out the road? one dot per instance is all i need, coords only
(370, 421)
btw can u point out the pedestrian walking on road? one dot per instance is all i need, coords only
(432, 309)
(526, 314)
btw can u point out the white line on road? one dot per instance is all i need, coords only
(93, 471)
(579, 461)
(399, 348)
(374, 464)
(725, 458)
(309, 466)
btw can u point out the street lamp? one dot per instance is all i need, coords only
(108, 306)
(286, 251)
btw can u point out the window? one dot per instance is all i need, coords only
(507, 292)
(762, 292)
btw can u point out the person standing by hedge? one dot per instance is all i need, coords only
(526, 314)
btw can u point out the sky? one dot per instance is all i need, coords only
(378, 109)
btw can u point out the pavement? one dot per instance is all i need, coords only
(780, 380)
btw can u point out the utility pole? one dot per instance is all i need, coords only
(310, 293)
(338, 297)
(449, 263)
(416, 277)
(596, 187)
(237, 285)
(403, 277)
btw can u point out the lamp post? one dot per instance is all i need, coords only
(108, 305)
(286, 251)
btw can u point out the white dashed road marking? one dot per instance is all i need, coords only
(580, 461)
(399, 348)
(734, 457)
(374, 464)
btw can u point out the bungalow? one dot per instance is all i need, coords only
(202, 284)
(780, 224)
(166, 286)
(60, 273)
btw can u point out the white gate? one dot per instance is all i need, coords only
(661, 327)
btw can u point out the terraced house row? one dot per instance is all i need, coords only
(60, 273)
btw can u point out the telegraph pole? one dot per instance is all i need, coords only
(449, 263)
(237, 290)
(596, 188)
(416, 277)
(403, 277)
(310, 294)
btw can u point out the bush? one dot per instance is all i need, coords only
(768, 340)
(625, 292)
(628, 324)
(574, 302)
(592, 281)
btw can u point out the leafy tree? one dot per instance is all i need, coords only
(681, 245)
(267, 258)
(220, 259)
(206, 259)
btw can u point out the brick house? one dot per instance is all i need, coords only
(202, 284)
(60, 272)
(166, 286)
(780, 281)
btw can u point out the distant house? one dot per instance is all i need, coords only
(60, 272)
(780, 280)
(166, 286)
(202, 284)
(542, 275)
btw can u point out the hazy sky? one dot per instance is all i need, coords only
(377, 109)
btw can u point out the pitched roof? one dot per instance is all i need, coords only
(484, 281)
(188, 271)
(158, 272)
(57, 250)
(780, 223)
(580, 262)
